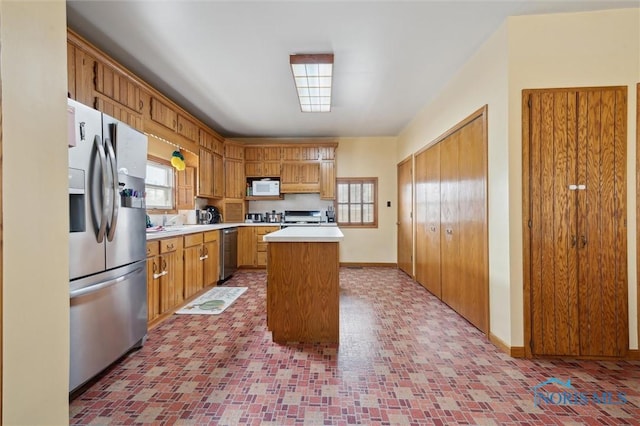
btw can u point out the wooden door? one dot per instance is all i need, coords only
(575, 235)
(602, 244)
(472, 224)
(405, 217)
(449, 229)
(289, 173)
(309, 173)
(247, 246)
(427, 184)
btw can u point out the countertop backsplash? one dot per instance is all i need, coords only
(290, 202)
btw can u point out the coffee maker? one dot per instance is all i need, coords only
(216, 216)
(331, 214)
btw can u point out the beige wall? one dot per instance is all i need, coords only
(483, 80)
(35, 213)
(568, 50)
(562, 50)
(371, 157)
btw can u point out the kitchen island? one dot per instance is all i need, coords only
(303, 288)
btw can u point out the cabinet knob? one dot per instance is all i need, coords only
(433, 229)
(449, 231)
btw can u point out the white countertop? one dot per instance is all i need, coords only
(303, 234)
(176, 230)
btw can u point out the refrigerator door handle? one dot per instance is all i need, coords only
(114, 173)
(103, 284)
(97, 141)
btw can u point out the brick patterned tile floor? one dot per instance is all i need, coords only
(404, 358)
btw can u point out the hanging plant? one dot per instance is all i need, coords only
(177, 161)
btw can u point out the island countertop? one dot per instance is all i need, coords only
(302, 234)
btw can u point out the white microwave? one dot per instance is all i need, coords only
(263, 188)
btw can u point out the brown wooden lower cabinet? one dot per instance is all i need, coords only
(180, 268)
(303, 292)
(252, 250)
(164, 276)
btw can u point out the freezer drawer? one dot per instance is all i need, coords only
(108, 317)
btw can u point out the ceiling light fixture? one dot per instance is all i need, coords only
(312, 74)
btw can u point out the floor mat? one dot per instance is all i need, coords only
(213, 302)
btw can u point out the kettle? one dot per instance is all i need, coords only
(204, 217)
(216, 216)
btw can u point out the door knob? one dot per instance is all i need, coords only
(573, 241)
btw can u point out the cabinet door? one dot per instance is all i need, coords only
(167, 282)
(193, 270)
(84, 70)
(309, 173)
(205, 173)
(289, 173)
(233, 211)
(153, 288)
(163, 114)
(205, 139)
(234, 179)
(117, 87)
(253, 169)
(116, 111)
(218, 176)
(270, 153)
(327, 180)
(188, 128)
(290, 153)
(271, 169)
(211, 263)
(449, 231)
(185, 189)
(252, 153)
(326, 153)
(246, 246)
(71, 71)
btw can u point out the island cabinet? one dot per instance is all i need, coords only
(201, 261)
(164, 277)
(303, 288)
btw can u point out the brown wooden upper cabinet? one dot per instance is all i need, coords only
(262, 161)
(300, 177)
(299, 153)
(188, 128)
(118, 87)
(163, 114)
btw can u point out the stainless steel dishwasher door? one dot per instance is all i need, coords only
(229, 253)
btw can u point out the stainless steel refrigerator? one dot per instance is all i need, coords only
(107, 241)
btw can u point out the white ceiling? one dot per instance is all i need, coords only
(227, 62)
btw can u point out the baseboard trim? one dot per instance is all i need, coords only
(513, 351)
(368, 264)
(633, 354)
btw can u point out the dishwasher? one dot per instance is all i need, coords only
(228, 253)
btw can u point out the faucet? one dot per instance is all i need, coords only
(167, 221)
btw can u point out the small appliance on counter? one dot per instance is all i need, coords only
(331, 214)
(204, 217)
(253, 217)
(273, 217)
(216, 216)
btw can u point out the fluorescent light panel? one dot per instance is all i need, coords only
(312, 75)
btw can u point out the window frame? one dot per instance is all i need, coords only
(174, 195)
(358, 180)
